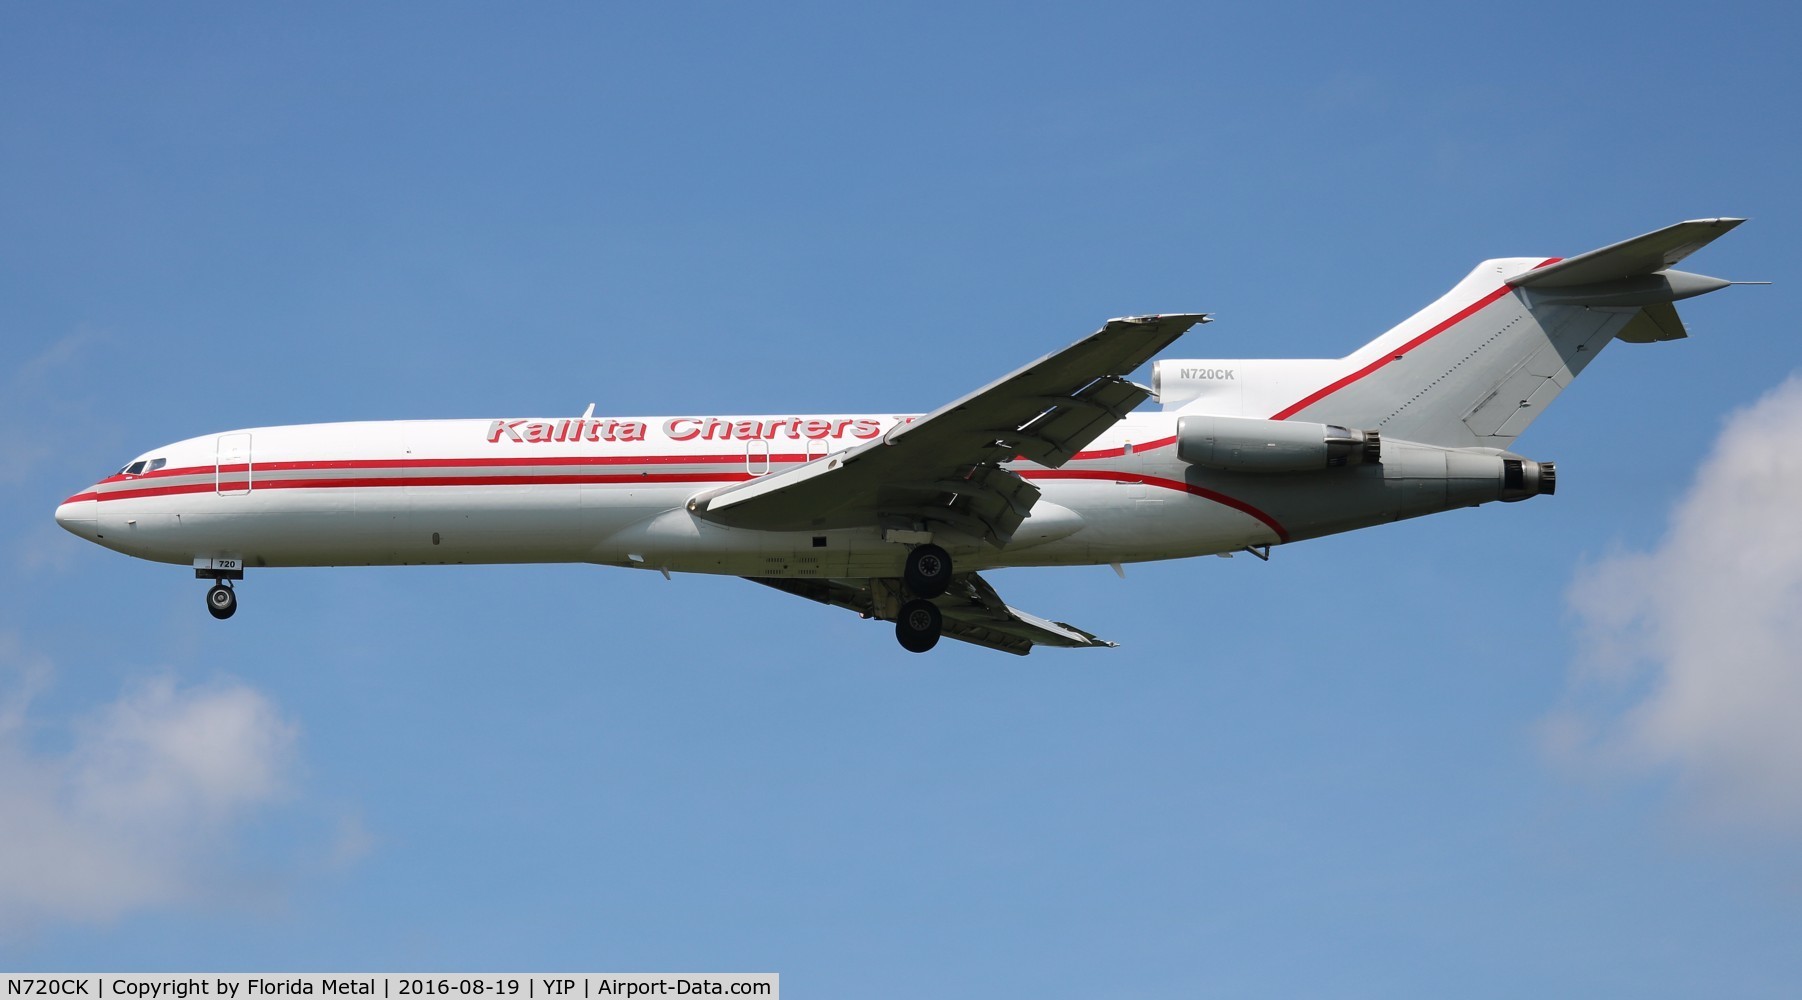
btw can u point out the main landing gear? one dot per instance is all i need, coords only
(926, 574)
(918, 627)
(928, 571)
(221, 602)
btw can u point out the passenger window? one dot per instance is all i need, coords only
(134, 468)
(155, 464)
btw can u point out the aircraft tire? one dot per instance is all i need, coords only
(221, 602)
(928, 570)
(918, 626)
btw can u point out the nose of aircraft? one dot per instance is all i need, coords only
(76, 515)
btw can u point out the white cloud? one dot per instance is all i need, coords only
(1693, 651)
(138, 807)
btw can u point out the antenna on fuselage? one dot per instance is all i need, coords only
(588, 412)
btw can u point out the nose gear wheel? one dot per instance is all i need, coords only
(220, 601)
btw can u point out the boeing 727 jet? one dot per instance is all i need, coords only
(896, 517)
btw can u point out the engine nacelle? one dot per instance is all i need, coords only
(1242, 444)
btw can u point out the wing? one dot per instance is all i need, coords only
(945, 468)
(973, 612)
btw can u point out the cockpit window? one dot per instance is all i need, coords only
(142, 466)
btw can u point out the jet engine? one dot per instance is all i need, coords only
(1241, 444)
(1523, 478)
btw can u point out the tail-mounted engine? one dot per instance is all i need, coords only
(1523, 478)
(1240, 444)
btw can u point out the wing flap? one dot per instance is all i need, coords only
(1056, 435)
(946, 466)
(997, 499)
(972, 611)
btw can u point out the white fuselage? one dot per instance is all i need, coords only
(614, 491)
(894, 516)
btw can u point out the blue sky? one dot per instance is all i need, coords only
(1530, 748)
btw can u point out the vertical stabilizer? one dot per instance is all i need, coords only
(1477, 366)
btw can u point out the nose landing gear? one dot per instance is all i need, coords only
(220, 601)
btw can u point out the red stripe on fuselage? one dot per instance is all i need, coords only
(1397, 354)
(1083, 456)
(453, 463)
(567, 479)
(1164, 484)
(554, 461)
(660, 478)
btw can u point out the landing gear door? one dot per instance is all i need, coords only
(232, 474)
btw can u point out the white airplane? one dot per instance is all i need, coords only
(895, 517)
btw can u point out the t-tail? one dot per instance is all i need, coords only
(1473, 369)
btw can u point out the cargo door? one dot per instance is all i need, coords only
(232, 473)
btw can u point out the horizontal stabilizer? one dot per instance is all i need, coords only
(1641, 255)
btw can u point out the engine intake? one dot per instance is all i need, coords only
(1241, 444)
